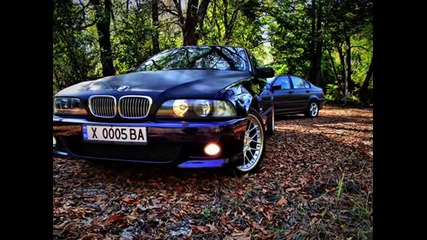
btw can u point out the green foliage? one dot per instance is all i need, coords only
(131, 35)
(73, 56)
(279, 33)
(233, 23)
(333, 93)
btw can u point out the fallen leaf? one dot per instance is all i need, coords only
(256, 226)
(116, 218)
(180, 189)
(292, 189)
(282, 201)
(212, 227)
(129, 200)
(176, 214)
(201, 228)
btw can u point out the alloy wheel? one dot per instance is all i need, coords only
(313, 109)
(253, 144)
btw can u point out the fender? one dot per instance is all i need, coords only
(239, 96)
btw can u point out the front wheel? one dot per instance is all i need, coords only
(312, 110)
(253, 145)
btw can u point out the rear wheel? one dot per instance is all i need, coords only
(312, 110)
(254, 143)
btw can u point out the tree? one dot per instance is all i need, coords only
(191, 21)
(345, 19)
(363, 93)
(72, 62)
(316, 42)
(328, 42)
(289, 37)
(103, 13)
(155, 33)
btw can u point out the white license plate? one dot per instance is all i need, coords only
(115, 134)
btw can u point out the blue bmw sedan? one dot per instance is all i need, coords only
(192, 107)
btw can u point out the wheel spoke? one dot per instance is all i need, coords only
(251, 155)
(249, 127)
(250, 130)
(256, 135)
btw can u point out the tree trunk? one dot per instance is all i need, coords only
(312, 43)
(316, 44)
(350, 81)
(201, 13)
(334, 69)
(363, 94)
(155, 33)
(343, 71)
(189, 30)
(103, 16)
(319, 47)
(229, 25)
(215, 19)
(195, 16)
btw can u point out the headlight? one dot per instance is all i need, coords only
(196, 108)
(180, 107)
(65, 105)
(202, 108)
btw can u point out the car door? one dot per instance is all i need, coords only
(300, 93)
(283, 97)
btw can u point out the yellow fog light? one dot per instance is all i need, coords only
(212, 149)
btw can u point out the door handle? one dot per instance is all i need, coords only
(307, 91)
(290, 92)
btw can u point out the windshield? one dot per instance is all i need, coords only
(203, 57)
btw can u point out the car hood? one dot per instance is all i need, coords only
(169, 84)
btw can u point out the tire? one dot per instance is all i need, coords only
(254, 144)
(271, 123)
(312, 110)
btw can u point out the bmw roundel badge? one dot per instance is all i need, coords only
(123, 88)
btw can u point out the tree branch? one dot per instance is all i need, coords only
(167, 9)
(179, 10)
(85, 26)
(362, 47)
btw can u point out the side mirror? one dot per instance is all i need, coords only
(265, 72)
(276, 87)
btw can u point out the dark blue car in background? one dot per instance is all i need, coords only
(193, 107)
(294, 95)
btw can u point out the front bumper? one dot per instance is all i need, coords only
(178, 143)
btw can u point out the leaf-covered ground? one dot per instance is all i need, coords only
(315, 183)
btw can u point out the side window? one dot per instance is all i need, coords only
(298, 82)
(278, 82)
(306, 84)
(283, 82)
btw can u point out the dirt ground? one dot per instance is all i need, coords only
(316, 182)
